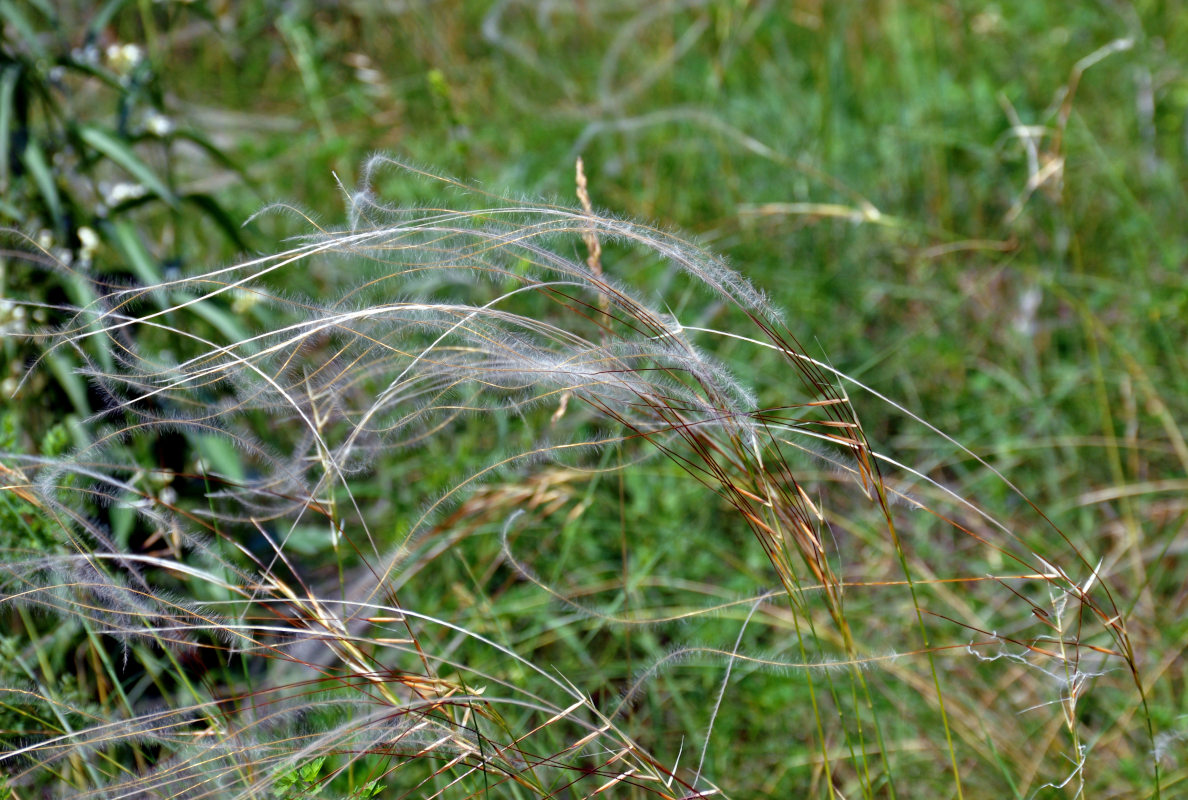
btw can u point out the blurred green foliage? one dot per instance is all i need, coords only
(975, 208)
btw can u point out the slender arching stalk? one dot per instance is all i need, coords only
(424, 321)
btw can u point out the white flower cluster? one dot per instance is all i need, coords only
(123, 58)
(12, 317)
(158, 124)
(122, 192)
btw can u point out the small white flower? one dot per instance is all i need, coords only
(122, 192)
(88, 242)
(158, 124)
(12, 317)
(123, 58)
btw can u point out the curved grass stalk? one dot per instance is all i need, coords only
(377, 344)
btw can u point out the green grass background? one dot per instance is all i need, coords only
(864, 163)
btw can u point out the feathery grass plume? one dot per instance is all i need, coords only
(258, 593)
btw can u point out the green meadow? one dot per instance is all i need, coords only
(531, 399)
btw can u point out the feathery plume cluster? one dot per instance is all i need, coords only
(291, 375)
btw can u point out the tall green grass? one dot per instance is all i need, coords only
(422, 502)
(266, 600)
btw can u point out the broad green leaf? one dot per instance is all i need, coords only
(8, 82)
(81, 292)
(146, 269)
(73, 384)
(309, 772)
(213, 150)
(47, 9)
(220, 455)
(137, 256)
(103, 17)
(122, 519)
(220, 217)
(368, 790)
(220, 319)
(7, 209)
(119, 152)
(95, 71)
(28, 34)
(39, 168)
